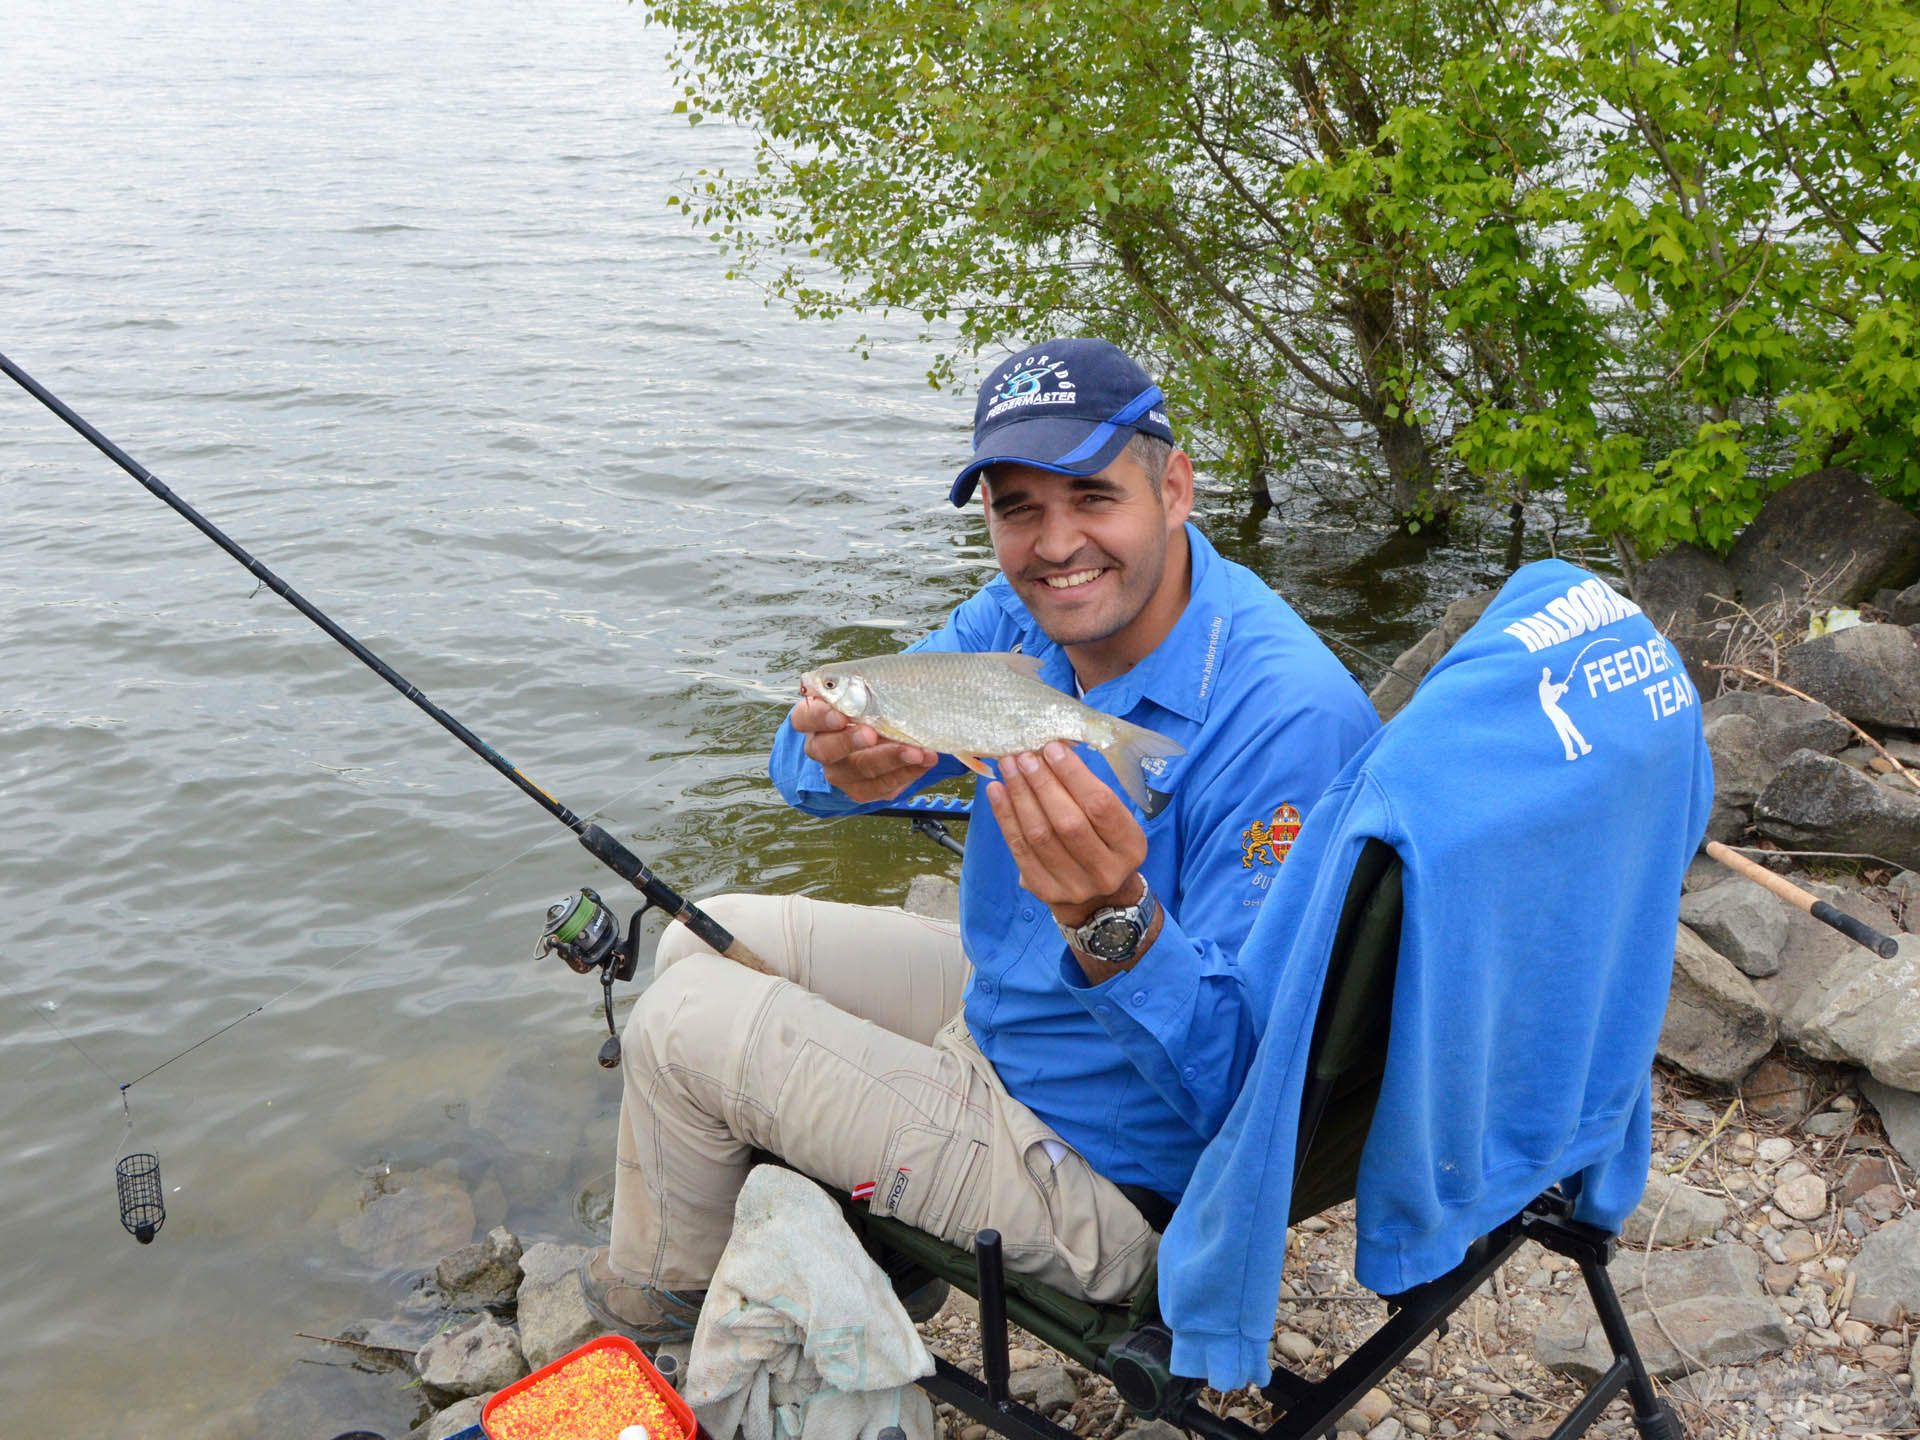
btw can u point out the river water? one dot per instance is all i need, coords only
(394, 295)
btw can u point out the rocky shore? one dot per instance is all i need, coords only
(1772, 1274)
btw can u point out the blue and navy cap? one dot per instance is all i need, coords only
(1069, 406)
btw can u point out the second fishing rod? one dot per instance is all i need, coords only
(580, 929)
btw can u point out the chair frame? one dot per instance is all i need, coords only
(1347, 1057)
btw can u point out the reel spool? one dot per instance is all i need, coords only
(585, 935)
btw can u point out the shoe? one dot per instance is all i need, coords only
(643, 1313)
(923, 1304)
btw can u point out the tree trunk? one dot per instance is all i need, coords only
(1410, 469)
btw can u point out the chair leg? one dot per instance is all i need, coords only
(993, 1314)
(1652, 1416)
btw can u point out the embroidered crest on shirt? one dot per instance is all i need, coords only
(1268, 841)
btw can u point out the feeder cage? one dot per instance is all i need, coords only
(142, 1210)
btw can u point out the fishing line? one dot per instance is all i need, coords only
(1374, 659)
(389, 937)
(580, 930)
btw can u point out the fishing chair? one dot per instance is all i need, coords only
(1131, 1346)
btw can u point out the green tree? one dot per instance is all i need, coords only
(1197, 180)
(1656, 251)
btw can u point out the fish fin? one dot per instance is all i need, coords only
(977, 765)
(1027, 665)
(1132, 746)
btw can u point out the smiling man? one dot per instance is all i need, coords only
(1053, 1065)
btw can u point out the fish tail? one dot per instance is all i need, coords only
(1131, 747)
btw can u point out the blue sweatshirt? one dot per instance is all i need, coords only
(1545, 790)
(1136, 1073)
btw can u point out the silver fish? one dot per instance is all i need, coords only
(970, 705)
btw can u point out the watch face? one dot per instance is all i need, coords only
(1114, 938)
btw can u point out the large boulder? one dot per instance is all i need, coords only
(406, 1219)
(1869, 673)
(1830, 526)
(1815, 958)
(1818, 803)
(1740, 772)
(483, 1275)
(474, 1358)
(1899, 1112)
(1396, 687)
(1871, 1016)
(1889, 1263)
(1716, 1026)
(1711, 1306)
(1685, 592)
(553, 1309)
(1745, 923)
(1786, 723)
(1672, 1212)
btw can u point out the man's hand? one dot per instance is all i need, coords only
(859, 764)
(1078, 847)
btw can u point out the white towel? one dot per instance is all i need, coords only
(801, 1334)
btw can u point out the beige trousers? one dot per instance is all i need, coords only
(855, 1068)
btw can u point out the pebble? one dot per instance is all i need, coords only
(1826, 1123)
(1804, 1197)
(1799, 1246)
(1880, 1357)
(1774, 1149)
(1373, 1407)
(1855, 1332)
(1295, 1347)
(1387, 1429)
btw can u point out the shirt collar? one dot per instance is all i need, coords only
(1180, 673)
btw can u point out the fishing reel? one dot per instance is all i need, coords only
(585, 935)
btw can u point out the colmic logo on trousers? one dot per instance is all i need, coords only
(1268, 841)
(1036, 380)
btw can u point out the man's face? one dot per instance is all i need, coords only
(1086, 554)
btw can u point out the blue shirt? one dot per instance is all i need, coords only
(1545, 790)
(1138, 1072)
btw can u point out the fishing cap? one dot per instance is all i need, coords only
(1068, 406)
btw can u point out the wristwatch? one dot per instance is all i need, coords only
(1114, 934)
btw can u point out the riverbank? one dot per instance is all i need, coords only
(1772, 1274)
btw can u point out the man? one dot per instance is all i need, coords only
(1057, 1061)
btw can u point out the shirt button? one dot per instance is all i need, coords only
(986, 987)
(1102, 1009)
(1026, 912)
(1188, 1073)
(1139, 997)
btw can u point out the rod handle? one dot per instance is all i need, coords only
(1885, 946)
(1857, 931)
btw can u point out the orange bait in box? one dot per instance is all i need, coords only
(592, 1394)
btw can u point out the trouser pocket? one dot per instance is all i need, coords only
(927, 1178)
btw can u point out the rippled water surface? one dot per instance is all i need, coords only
(392, 293)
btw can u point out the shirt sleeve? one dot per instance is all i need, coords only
(802, 781)
(1188, 1015)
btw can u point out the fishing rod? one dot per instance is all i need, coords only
(580, 929)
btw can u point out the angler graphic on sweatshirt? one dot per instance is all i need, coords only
(1589, 606)
(1550, 695)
